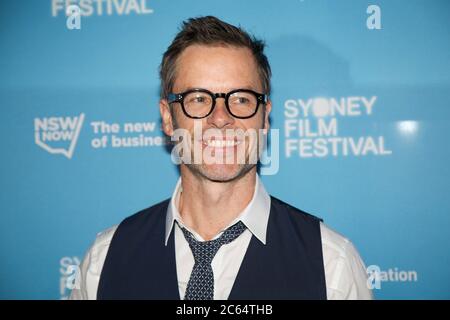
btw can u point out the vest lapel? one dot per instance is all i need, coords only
(170, 268)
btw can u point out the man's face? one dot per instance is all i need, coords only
(217, 69)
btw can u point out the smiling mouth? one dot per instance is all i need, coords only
(221, 143)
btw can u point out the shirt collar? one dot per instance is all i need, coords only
(255, 216)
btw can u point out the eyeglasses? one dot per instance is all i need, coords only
(200, 103)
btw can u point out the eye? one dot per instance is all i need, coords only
(198, 99)
(242, 100)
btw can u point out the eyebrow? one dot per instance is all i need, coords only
(234, 88)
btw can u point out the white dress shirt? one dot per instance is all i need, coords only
(345, 273)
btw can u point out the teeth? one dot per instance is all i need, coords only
(221, 143)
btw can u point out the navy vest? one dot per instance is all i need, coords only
(139, 265)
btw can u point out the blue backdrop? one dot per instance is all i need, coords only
(361, 93)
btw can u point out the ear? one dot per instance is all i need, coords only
(166, 116)
(268, 109)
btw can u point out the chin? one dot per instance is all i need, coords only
(221, 172)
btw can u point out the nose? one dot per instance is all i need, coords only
(220, 117)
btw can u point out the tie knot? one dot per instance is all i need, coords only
(204, 251)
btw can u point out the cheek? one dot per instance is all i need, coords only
(256, 122)
(181, 121)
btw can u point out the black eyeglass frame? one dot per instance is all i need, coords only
(179, 97)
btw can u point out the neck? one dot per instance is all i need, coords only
(208, 207)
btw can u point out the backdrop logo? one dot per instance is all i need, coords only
(58, 135)
(312, 128)
(101, 7)
(375, 276)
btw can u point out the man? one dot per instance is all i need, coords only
(220, 236)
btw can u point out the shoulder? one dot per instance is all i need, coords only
(335, 242)
(103, 238)
(293, 212)
(94, 260)
(92, 265)
(336, 246)
(149, 213)
(95, 255)
(98, 250)
(345, 271)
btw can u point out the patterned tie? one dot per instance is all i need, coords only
(201, 282)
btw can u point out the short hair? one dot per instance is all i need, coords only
(210, 30)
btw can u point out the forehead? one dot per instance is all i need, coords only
(218, 67)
